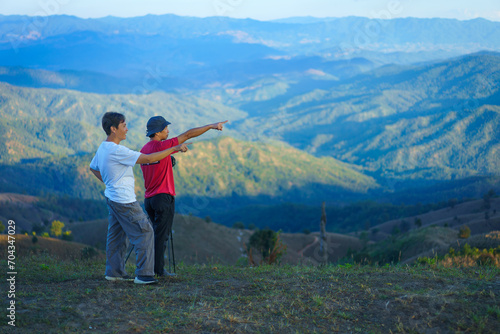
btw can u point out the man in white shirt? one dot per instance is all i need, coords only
(112, 165)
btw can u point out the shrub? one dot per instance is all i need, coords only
(467, 256)
(395, 230)
(67, 236)
(464, 232)
(452, 202)
(364, 238)
(268, 243)
(263, 241)
(487, 198)
(427, 260)
(493, 235)
(486, 259)
(239, 225)
(88, 253)
(404, 226)
(38, 229)
(56, 228)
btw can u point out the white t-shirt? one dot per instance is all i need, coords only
(115, 163)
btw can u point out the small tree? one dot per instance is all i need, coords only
(452, 202)
(464, 232)
(404, 226)
(418, 222)
(268, 243)
(56, 228)
(239, 225)
(89, 253)
(2, 227)
(487, 198)
(263, 241)
(367, 225)
(364, 238)
(395, 230)
(252, 227)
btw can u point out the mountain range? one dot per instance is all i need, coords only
(182, 46)
(432, 121)
(335, 109)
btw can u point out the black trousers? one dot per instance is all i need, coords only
(160, 209)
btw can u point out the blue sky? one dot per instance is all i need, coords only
(259, 9)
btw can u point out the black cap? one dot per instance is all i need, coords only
(156, 124)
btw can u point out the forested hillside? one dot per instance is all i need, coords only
(433, 121)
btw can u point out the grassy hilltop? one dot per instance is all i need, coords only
(60, 285)
(57, 296)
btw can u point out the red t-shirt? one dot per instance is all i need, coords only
(158, 176)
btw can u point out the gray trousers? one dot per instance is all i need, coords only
(129, 220)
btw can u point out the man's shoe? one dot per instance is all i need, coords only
(120, 278)
(145, 280)
(166, 274)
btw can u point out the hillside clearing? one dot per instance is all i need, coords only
(56, 296)
(198, 242)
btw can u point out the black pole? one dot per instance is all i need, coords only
(131, 249)
(168, 252)
(173, 254)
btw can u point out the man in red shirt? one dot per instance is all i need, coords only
(159, 182)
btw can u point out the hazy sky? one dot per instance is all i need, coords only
(259, 9)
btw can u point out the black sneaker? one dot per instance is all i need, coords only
(145, 280)
(120, 278)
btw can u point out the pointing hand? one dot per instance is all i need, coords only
(219, 126)
(183, 147)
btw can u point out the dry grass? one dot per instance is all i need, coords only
(471, 261)
(57, 248)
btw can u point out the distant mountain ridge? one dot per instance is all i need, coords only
(233, 74)
(176, 44)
